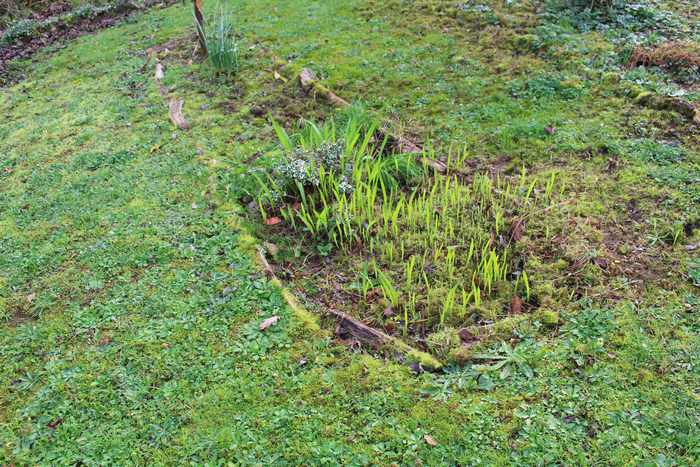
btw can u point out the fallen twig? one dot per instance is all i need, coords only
(175, 105)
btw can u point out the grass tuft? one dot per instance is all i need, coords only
(222, 45)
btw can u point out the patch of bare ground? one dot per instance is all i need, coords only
(19, 311)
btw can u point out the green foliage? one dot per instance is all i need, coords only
(645, 16)
(694, 272)
(18, 31)
(131, 314)
(656, 152)
(223, 47)
(508, 360)
(597, 4)
(546, 87)
(683, 178)
(85, 11)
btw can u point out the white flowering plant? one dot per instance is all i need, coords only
(330, 182)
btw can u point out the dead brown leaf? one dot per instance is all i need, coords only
(516, 305)
(430, 440)
(466, 336)
(269, 322)
(517, 230)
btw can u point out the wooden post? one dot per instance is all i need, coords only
(199, 17)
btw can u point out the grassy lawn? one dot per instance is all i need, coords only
(131, 304)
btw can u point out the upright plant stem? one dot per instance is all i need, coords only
(199, 17)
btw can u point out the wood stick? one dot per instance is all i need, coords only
(199, 17)
(175, 106)
(359, 330)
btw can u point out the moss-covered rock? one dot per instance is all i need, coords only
(547, 317)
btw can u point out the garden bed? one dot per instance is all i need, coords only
(438, 260)
(23, 38)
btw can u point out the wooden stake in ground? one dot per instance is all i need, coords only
(199, 17)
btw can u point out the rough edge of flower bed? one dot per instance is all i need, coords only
(675, 104)
(356, 328)
(251, 246)
(65, 19)
(64, 28)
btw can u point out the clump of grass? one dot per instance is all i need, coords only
(448, 244)
(223, 48)
(329, 182)
(657, 152)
